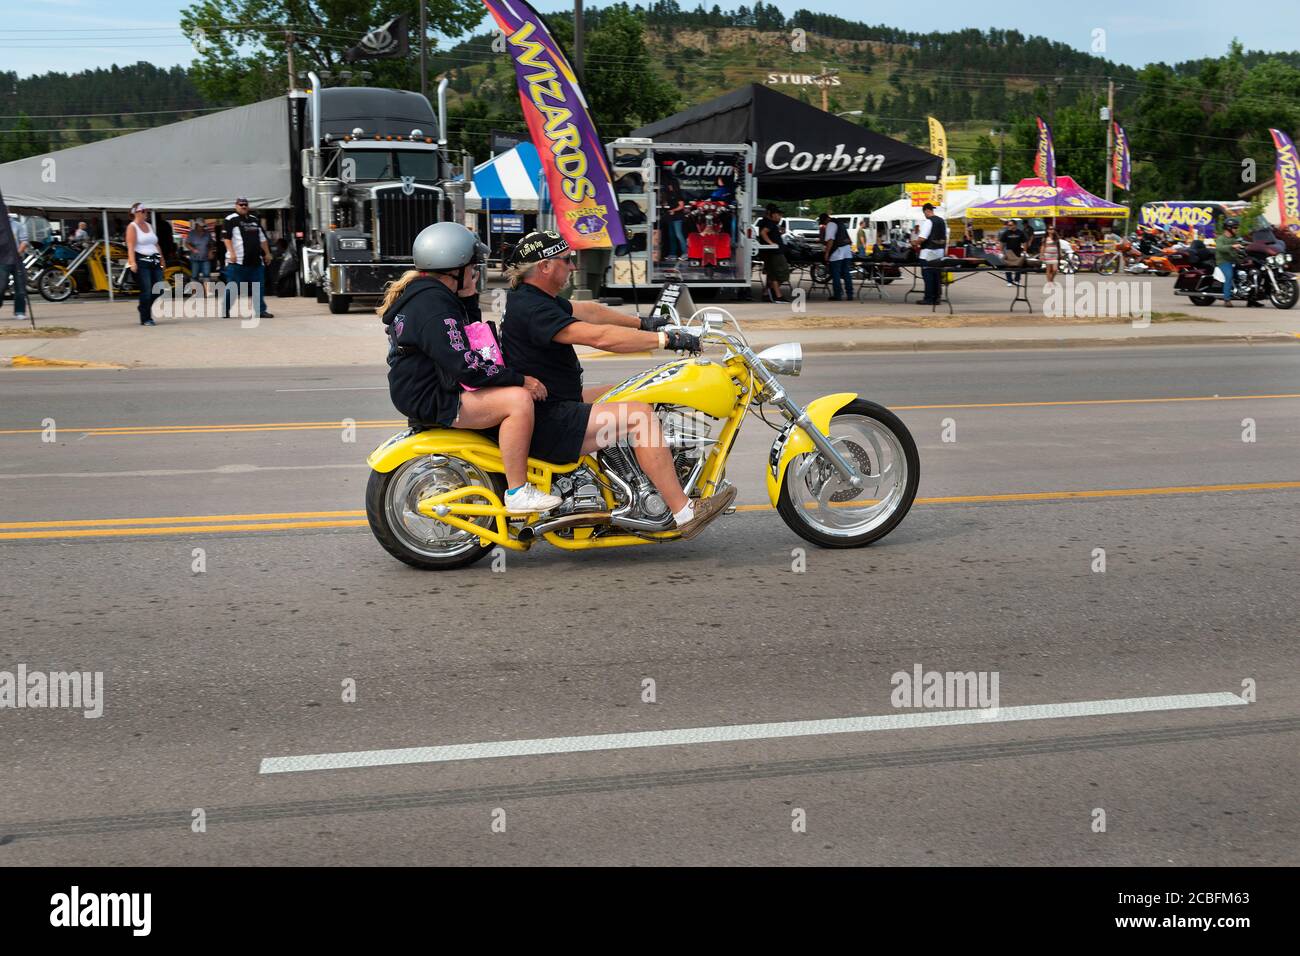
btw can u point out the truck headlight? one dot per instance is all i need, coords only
(353, 243)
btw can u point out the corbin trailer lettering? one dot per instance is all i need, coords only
(783, 155)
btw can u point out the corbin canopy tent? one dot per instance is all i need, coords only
(507, 182)
(194, 165)
(801, 152)
(1034, 199)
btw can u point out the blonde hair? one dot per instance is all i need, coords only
(394, 289)
(518, 273)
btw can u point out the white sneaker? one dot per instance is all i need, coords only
(20, 317)
(528, 500)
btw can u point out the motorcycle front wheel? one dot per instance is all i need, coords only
(426, 543)
(1288, 291)
(57, 284)
(823, 508)
(1107, 265)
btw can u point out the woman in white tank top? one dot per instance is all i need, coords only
(144, 258)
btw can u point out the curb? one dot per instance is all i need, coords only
(29, 361)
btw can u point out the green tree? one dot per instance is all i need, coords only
(622, 87)
(241, 49)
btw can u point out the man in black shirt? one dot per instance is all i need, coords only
(1013, 239)
(538, 335)
(247, 254)
(776, 268)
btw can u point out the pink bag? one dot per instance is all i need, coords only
(484, 344)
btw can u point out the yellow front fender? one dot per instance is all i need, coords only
(458, 443)
(795, 441)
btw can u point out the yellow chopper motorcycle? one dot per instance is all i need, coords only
(842, 473)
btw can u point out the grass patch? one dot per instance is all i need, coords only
(25, 331)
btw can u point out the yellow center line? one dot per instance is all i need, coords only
(129, 430)
(285, 521)
(1100, 401)
(193, 519)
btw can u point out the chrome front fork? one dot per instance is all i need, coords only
(776, 395)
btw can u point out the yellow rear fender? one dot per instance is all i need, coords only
(460, 443)
(795, 441)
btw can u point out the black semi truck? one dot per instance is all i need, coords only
(375, 171)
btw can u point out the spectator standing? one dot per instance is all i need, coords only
(1051, 253)
(776, 268)
(838, 253)
(1013, 239)
(675, 208)
(199, 245)
(144, 258)
(81, 236)
(13, 246)
(933, 236)
(247, 253)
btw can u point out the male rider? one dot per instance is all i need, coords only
(538, 335)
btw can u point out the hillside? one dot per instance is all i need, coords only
(1192, 125)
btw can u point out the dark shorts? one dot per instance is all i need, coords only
(776, 266)
(558, 431)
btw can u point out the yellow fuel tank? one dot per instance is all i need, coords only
(694, 383)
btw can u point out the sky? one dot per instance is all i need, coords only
(37, 36)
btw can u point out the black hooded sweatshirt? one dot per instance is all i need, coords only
(429, 358)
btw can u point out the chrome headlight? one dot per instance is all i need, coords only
(785, 359)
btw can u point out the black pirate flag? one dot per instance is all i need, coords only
(384, 42)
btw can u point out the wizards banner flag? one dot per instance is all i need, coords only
(561, 128)
(1045, 161)
(1288, 180)
(1119, 161)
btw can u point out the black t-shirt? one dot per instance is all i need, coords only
(246, 237)
(1013, 238)
(773, 230)
(531, 323)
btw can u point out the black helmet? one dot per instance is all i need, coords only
(1232, 222)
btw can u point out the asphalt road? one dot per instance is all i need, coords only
(206, 674)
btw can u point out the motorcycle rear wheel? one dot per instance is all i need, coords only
(878, 444)
(1203, 300)
(426, 543)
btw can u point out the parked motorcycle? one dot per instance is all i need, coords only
(1259, 277)
(842, 472)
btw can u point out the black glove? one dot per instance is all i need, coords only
(679, 341)
(654, 322)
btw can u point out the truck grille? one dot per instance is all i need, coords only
(401, 218)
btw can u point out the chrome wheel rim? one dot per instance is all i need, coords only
(422, 478)
(827, 502)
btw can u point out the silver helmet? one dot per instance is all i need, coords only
(446, 246)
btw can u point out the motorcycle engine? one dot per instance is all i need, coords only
(687, 434)
(580, 491)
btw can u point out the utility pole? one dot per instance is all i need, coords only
(424, 52)
(578, 30)
(288, 45)
(1110, 134)
(824, 80)
(1002, 136)
(581, 292)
